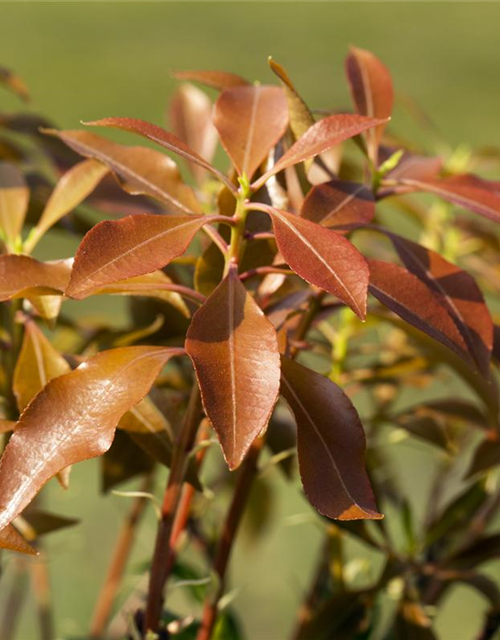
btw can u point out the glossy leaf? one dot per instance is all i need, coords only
(72, 419)
(13, 541)
(408, 297)
(74, 186)
(300, 116)
(340, 205)
(466, 191)
(458, 293)
(14, 198)
(330, 444)
(163, 138)
(38, 362)
(22, 276)
(323, 258)
(250, 120)
(372, 93)
(216, 79)
(140, 170)
(321, 136)
(234, 349)
(191, 118)
(114, 250)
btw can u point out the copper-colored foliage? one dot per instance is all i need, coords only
(323, 258)
(323, 135)
(216, 79)
(72, 419)
(371, 89)
(457, 292)
(21, 276)
(12, 540)
(117, 249)
(467, 191)
(330, 444)
(250, 120)
(13, 82)
(191, 118)
(139, 169)
(38, 362)
(412, 300)
(14, 198)
(339, 204)
(300, 116)
(234, 349)
(163, 138)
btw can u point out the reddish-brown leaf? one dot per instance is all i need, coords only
(217, 79)
(22, 276)
(164, 139)
(250, 120)
(321, 136)
(14, 198)
(458, 293)
(13, 82)
(339, 205)
(13, 541)
(117, 249)
(38, 362)
(234, 349)
(466, 191)
(72, 419)
(140, 170)
(412, 300)
(191, 118)
(372, 92)
(330, 444)
(323, 258)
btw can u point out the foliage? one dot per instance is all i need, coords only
(266, 303)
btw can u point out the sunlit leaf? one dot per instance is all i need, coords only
(191, 118)
(38, 362)
(330, 443)
(234, 349)
(372, 92)
(22, 276)
(72, 419)
(114, 250)
(323, 258)
(321, 136)
(339, 205)
(164, 139)
(408, 297)
(458, 293)
(250, 120)
(140, 170)
(14, 198)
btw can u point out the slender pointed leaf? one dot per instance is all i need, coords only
(250, 120)
(114, 250)
(321, 136)
(217, 79)
(164, 139)
(14, 198)
(234, 349)
(13, 82)
(72, 419)
(372, 92)
(330, 443)
(140, 170)
(408, 297)
(13, 541)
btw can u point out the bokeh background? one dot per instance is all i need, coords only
(83, 61)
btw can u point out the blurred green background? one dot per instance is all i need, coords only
(89, 60)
